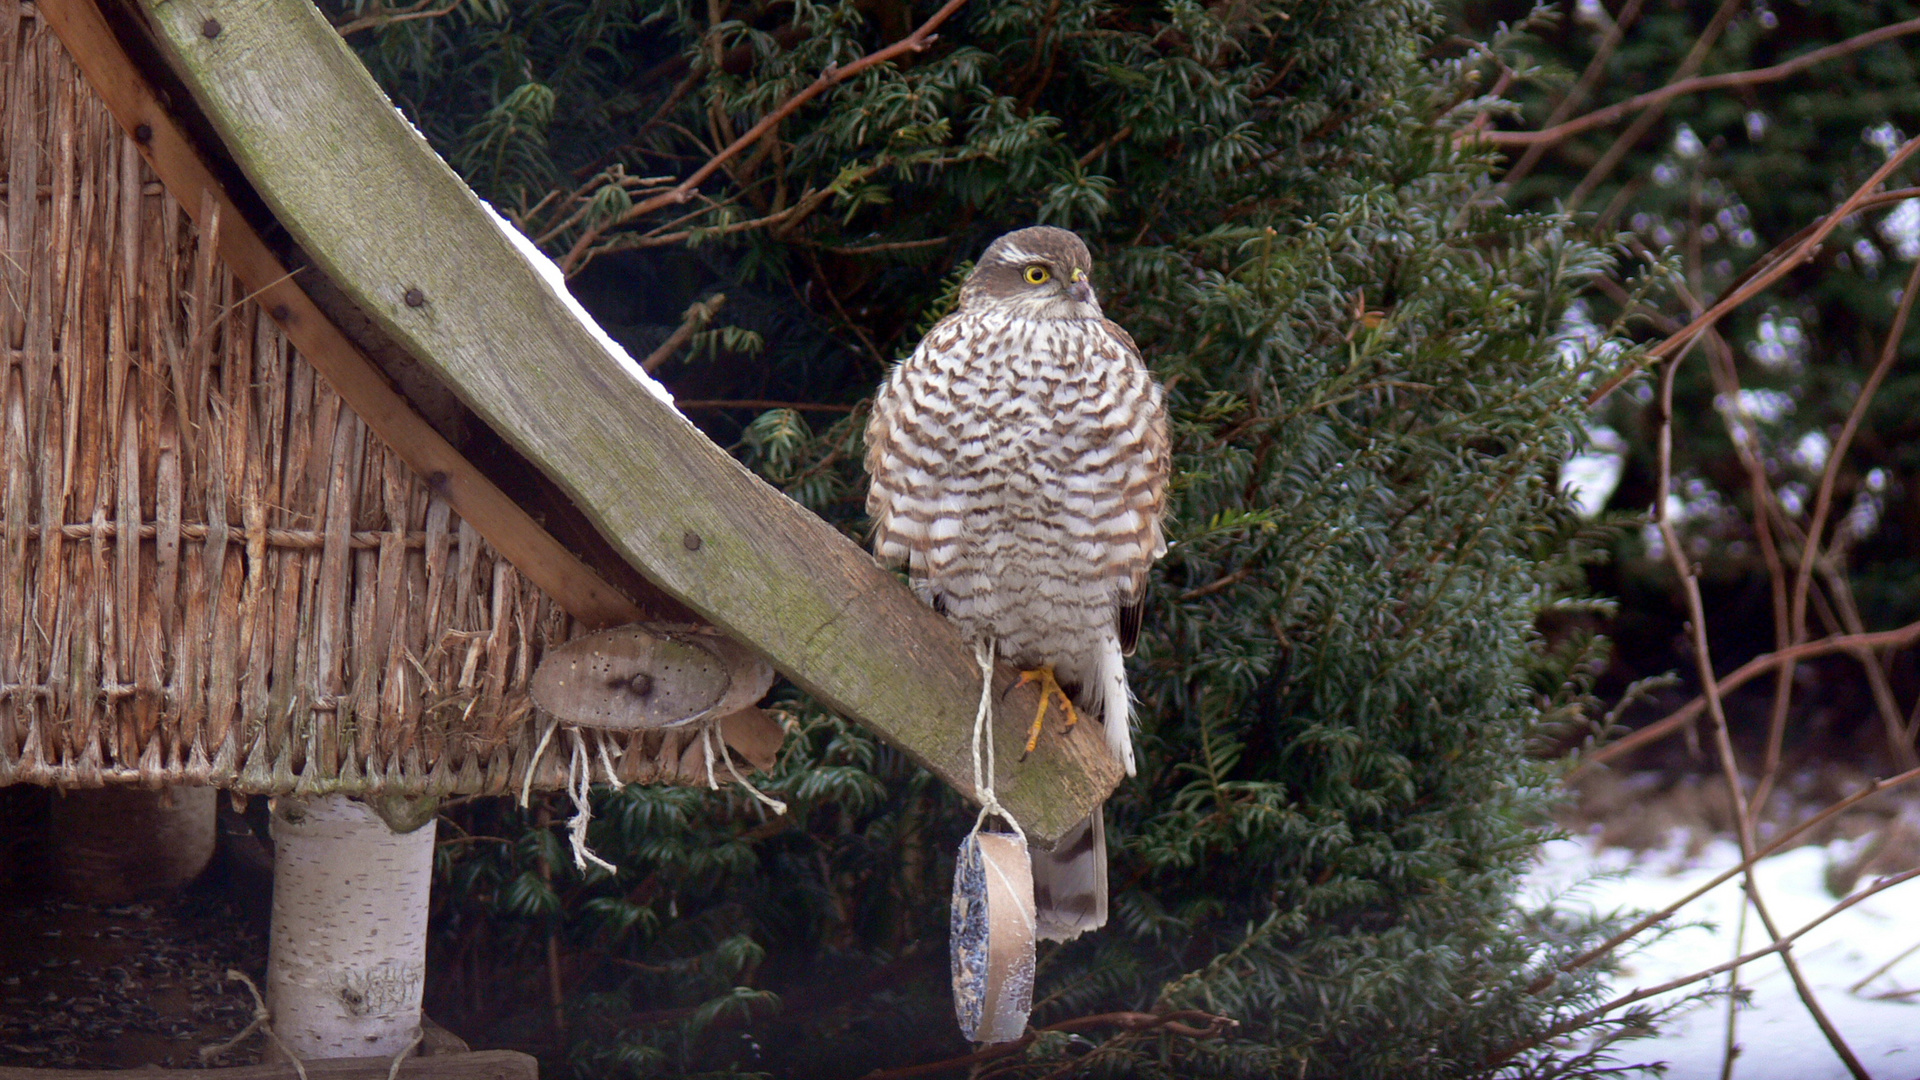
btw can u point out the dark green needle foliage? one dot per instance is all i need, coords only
(1340, 668)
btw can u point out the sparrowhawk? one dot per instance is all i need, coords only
(1019, 461)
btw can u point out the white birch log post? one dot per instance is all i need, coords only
(348, 952)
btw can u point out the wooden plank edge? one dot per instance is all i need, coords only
(548, 564)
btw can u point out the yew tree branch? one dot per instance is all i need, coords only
(833, 76)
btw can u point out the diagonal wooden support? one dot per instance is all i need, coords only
(404, 238)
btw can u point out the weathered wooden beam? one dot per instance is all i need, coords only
(393, 227)
(480, 1065)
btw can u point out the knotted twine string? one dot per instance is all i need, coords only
(580, 780)
(983, 651)
(712, 733)
(262, 1022)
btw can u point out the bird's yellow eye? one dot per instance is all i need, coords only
(1038, 275)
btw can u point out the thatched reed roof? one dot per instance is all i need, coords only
(211, 571)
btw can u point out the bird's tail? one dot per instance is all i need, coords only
(1116, 703)
(1070, 882)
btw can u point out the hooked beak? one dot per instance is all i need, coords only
(1080, 288)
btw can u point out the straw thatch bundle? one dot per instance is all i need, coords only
(210, 571)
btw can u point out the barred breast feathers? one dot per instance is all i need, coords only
(990, 412)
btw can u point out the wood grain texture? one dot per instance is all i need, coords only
(479, 1065)
(384, 217)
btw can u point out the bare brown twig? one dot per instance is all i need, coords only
(1745, 673)
(762, 403)
(1779, 843)
(698, 316)
(1589, 78)
(1758, 283)
(1729, 764)
(1560, 131)
(1823, 505)
(421, 10)
(1644, 122)
(833, 76)
(1780, 944)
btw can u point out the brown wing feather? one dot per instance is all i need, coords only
(1130, 615)
(879, 435)
(1149, 485)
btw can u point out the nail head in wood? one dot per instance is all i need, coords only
(415, 297)
(690, 540)
(143, 133)
(210, 29)
(280, 313)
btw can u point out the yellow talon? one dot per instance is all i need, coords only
(1049, 689)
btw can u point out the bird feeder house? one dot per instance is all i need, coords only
(308, 463)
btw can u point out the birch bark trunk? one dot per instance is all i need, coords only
(349, 945)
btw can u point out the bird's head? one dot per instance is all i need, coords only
(1036, 273)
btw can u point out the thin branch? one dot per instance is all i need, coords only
(1189, 1023)
(1871, 202)
(1105, 145)
(580, 199)
(1779, 843)
(1723, 742)
(1781, 944)
(1747, 672)
(1745, 436)
(1560, 132)
(701, 313)
(1759, 282)
(1216, 585)
(826, 287)
(1883, 968)
(1643, 123)
(1596, 68)
(875, 249)
(420, 10)
(1823, 501)
(653, 240)
(831, 77)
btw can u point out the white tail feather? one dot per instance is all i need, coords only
(1116, 703)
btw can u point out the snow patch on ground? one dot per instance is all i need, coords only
(1777, 1036)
